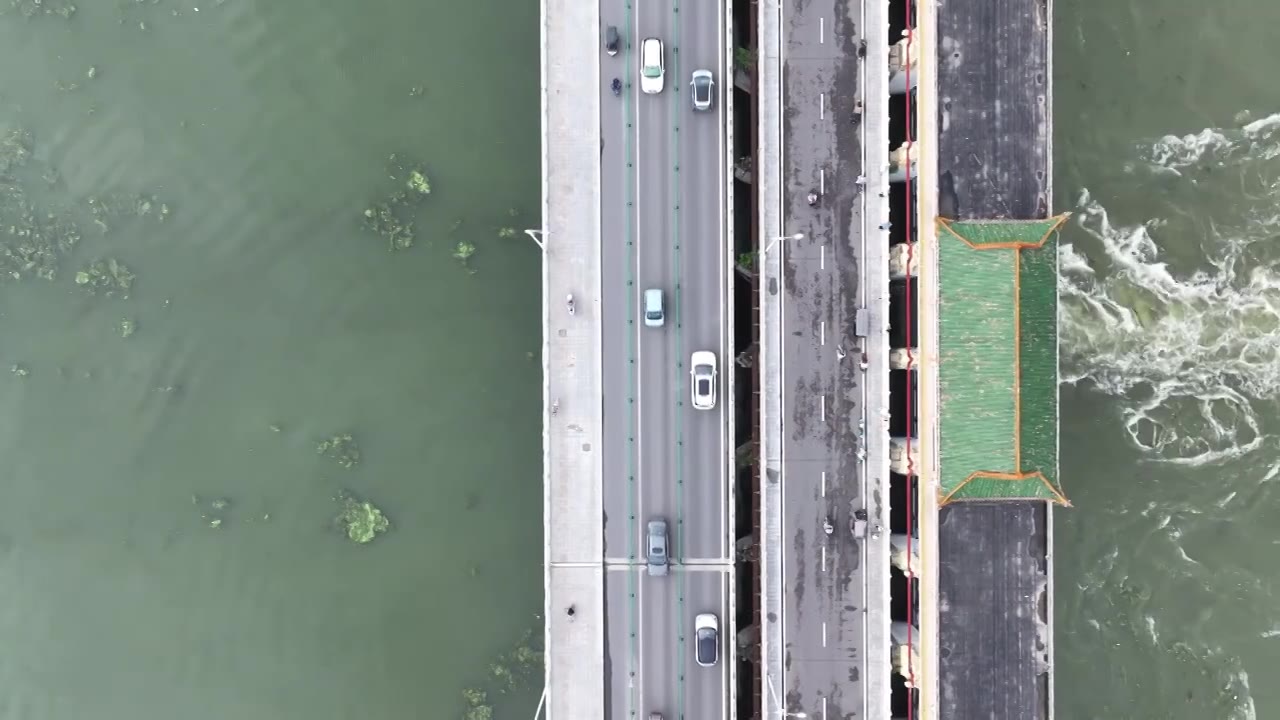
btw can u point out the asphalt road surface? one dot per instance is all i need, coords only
(824, 605)
(663, 226)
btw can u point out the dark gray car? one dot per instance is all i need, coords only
(655, 549)
(706, 633)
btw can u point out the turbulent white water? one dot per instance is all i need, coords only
(1176, 314)
(1190, 351)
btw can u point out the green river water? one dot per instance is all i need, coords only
(1167, 147)
(266, 318)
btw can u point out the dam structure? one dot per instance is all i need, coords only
(848, 512)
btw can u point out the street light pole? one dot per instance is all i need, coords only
(783, 714)
(797, 236)
(533, 235)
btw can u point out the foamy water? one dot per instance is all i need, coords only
(1190, 352)
(1176, 314)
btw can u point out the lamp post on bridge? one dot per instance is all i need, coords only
(533, 235)
(782, 713)
(775, 241)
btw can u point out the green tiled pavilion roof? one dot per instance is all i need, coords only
(998, 360)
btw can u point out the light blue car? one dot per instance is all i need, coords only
(655, 547)
(654, 314)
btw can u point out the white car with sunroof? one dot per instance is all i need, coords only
(652, 67)
(703, 371)
(702, 84)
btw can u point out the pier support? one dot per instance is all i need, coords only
(904, 654)
(898, 162)
(903, 55)
(898, 551)
(904, 257)
(898, 359)
(903, 454)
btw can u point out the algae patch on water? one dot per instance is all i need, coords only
(213, 511)
(37, 240)
(418, 183)
(341, 447)
(106, 208)
(463, 252)
(520, 665)
(514, 670)
(384, 219)
(108, 277)
(15, 151)
(477, 705)
(34, 8)
(358, 519)
(392, 217)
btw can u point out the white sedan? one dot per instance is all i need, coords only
(704, 379)
(652, 67)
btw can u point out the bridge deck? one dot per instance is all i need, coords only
(823, 418)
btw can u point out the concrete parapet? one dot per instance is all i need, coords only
(767, 177)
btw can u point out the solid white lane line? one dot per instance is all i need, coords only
(639, 679)
(724, 671)
(724, 272)
(639, 332)
(782, 322)
(638, 691)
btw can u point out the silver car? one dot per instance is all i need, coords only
(703, 371)
(655, 549)
(702, 84)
